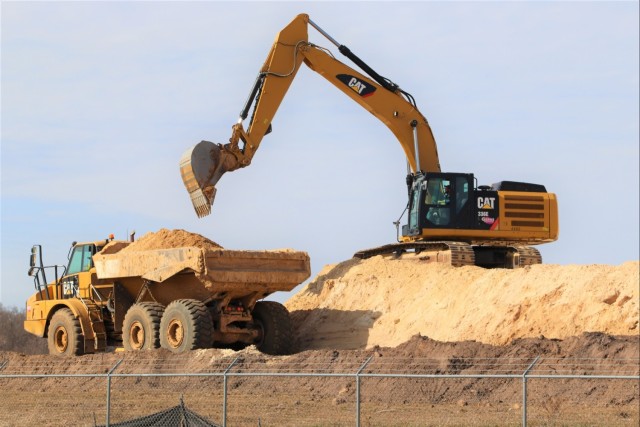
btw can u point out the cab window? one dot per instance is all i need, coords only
(462, 193)
(415, 208)
(438, 201)
(80, 259)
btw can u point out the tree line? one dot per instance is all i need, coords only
(13, 337)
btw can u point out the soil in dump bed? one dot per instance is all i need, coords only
(169, 239)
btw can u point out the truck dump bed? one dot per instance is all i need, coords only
(217, 270)
(280, 269)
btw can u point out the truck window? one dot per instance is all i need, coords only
(80, 259)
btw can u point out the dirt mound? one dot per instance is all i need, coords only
(169, 239)
(587, 354)
(384, 301)
(600, 351)
(308, 400)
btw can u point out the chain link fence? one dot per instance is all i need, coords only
(253, 390)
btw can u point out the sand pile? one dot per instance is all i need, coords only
(168, 239)
(384, 301)
(162, 239)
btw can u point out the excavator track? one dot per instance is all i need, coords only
(458, 254)
(528, 256)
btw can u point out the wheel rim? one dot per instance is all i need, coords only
(61, 339)
(175, 333)
(136, 335)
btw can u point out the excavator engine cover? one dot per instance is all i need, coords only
(201, 167)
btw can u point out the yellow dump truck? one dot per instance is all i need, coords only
(180, 299)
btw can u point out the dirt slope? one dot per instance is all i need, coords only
(462, 401)
(384, 301)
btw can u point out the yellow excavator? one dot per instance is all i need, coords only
(450, 217)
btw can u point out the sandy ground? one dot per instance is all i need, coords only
(400, 316)
(385, 301)
(296, 401)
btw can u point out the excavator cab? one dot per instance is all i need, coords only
(439, 201)
(451, 206)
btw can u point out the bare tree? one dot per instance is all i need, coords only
(13, 337)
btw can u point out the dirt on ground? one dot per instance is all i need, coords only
(599, 349)
(309, 400)
(384, 301)
(384, 315)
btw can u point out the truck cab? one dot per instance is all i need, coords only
(71, 292)
(76, 281)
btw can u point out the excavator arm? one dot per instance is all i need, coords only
(202, 165)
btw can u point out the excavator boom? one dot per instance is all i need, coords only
(203, 165)
(449, 217)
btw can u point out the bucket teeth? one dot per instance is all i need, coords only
(201, 203)
(201, 168)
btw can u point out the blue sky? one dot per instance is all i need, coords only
(100, 99)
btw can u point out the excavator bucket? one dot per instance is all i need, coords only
(201, 167)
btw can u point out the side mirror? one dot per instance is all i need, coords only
(32, 261)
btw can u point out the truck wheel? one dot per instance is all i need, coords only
(141, 326)
(64, 334)
(186, 325)
(273, 320)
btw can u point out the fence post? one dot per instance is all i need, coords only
(224, 393)
(366, 362)
(108, 420)
(524, 391)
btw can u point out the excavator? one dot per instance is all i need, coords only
(450, 217)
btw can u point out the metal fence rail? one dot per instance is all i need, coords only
(363, 391)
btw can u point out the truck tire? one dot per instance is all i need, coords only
(275, 324)
(186, 325)
(64, 335)
(141, 326)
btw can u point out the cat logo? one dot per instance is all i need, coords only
(486, 202)
(359, 86)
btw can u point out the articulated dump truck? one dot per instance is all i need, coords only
(181, 298)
